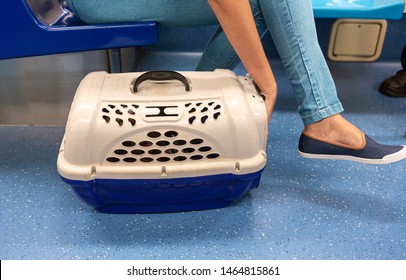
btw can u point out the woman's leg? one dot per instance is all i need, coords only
(292, 27)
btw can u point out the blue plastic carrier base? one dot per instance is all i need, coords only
(117, 196)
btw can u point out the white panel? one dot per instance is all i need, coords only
(357, 40)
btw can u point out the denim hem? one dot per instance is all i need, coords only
(322, 114)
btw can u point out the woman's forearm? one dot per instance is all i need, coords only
(236, 19)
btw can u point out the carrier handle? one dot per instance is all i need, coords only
(161, 76)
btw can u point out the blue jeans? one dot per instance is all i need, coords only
(290, 22)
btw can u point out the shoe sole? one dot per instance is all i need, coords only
(385, 160)
(388, 91)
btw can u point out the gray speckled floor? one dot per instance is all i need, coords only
(303, 209)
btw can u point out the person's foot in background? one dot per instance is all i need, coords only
(395, 86)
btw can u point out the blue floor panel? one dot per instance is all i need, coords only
(302, 209)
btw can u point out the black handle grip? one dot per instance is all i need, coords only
(161, 76)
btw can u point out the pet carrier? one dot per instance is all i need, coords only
(164, 141)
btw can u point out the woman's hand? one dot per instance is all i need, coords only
(270, 99)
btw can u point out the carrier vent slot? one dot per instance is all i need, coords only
(130, 159)
(106, 118)
(113, 159)
(132, 121)
(162, 147)
(119, 121)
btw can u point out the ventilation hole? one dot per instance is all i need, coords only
(112, 159)
(171, 133)
(211, 103)
(146, 159)
(216, 115)
(192, 110)
(196, 157)
(119, 121)
(135, 106)
(217, 107)
(204, 119)
(171, 151)
(188, 104)
(118, 112)
(124, 106)
(128, 143)
(106, 118)
(179, 142)
(196, 141)
(198, 104)
(188, 150)
(213, 155)
(120, 152)
(192, 119)
(105, 110)
(132, 121)
(163, 159)
(146, 144)
(205, 109)
(137, 152)
(179, 158)
(131, 112)
(162, 143)
(129, 159)
(112, 106)
(205, 149)
(154, 152)
(154, 134)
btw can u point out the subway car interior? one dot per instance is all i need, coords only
(301, 209)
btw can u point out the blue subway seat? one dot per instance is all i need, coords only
(365, 9)
(40, 27)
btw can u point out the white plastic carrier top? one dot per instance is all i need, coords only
(162, 130)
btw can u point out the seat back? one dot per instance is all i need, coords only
(361, 9)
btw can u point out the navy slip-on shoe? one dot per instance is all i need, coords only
(371, 152)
